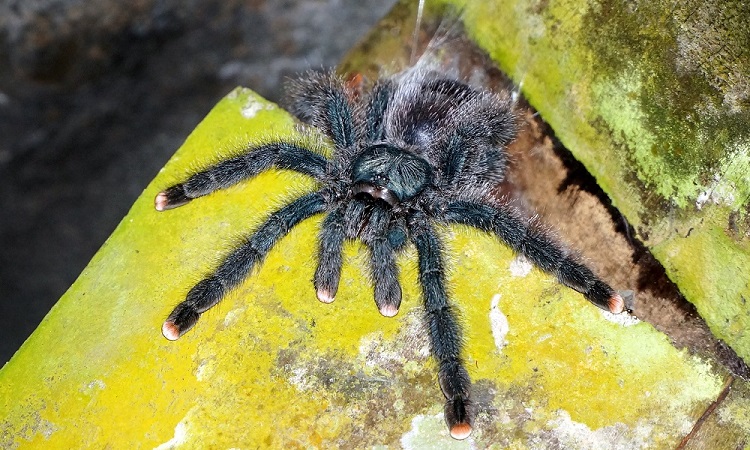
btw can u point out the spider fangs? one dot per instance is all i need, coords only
(419, 149)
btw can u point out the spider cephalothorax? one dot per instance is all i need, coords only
(417, 150)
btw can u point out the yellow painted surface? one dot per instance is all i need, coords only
(271, 367)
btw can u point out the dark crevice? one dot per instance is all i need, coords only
(706, 414)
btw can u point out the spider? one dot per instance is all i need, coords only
(414, 150)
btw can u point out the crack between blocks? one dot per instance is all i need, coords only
(707, 413)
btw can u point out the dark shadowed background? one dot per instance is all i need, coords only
(95, 96)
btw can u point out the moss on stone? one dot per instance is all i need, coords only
(654, 99)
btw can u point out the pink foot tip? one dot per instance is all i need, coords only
(160, 202)
(616, 304)
(325, 296)
(389, 310)
(460, 431)
(170, 330)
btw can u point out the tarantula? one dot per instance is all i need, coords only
(415, 150)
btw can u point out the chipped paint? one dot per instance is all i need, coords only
(233, 316)
(252, 107)
(618, 436)
(205, 369)
(92, 386)
(180, 437)
(498, 323)
(624, 319)
(520, 266)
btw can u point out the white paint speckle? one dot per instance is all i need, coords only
(729, 182)
(520, 266)
(702, 199)
(180, 436)
(232, 316)
(97, 384)
(618, 436)
(623, 318)
(93, 387)
(498, 323)
(544, 337)
(252, 107)
(205, 369)
(299, 379)
(720, 192)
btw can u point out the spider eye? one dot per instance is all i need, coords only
(390, 173)
(375, 191)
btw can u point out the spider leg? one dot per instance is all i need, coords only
(376, 107)
(322, 100)
(444, 331)
(476, 148)
(542, 250)
(385, 277)
(238, 264)
(331, 241)
(382, 261)
(370, 222)
(248, 164)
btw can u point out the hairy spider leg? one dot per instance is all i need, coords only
(472, 155)
(376, 107)
(330, 244)
(369, 222)
(455, 159)
(449, 88)
(444, 330)
(248, 164)
(239, 263)
(339, 114)
(322, 100)
(533, 243)
(382, 261)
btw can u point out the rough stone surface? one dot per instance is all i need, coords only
(652, 98)
(517, 328)
(271, 357)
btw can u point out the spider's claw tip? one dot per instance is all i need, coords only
(628, 297)
(325, 296)
(389, 310)
(460, 430)
(161, 201)
(616, 304)
(171, 198)
(170, 330)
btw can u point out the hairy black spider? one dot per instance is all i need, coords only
(418, 149)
